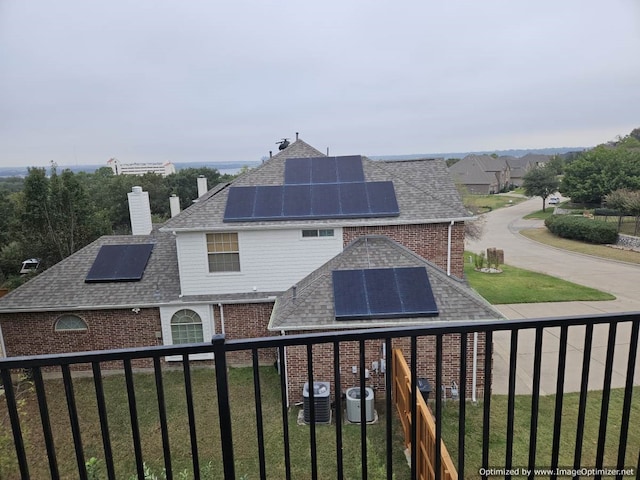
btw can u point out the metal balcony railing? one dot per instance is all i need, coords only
(620, 330)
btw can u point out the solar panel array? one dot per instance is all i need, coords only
(314, 188)
(311, 201)
(120, 263)
(301, 171)
(381, 293)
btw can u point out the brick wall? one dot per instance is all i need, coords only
(34, 333)
(246, 320)
(350, 356)
(427, 240)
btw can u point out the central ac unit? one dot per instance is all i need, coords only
(354, 404)
(321, 402)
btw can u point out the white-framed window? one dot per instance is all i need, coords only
(186, 327)
(70, 323)
(223, 252)
(317, 232)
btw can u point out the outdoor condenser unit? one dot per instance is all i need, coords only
(354, 404)
(321, 402)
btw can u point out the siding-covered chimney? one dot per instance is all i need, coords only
(139, 211)
(174, 205)
(202, 185)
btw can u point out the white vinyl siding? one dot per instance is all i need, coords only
(271, 260)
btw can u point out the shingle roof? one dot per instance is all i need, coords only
(62, 287)
(424, 190)
(313, 307)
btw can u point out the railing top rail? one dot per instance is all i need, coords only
(433, 328)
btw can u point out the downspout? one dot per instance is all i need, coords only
(449, 249)
(3, 348)
(283, 371)
(221, 318)
(475, 367)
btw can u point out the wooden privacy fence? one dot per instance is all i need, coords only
(425, 425)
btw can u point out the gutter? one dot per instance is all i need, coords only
(449, 249)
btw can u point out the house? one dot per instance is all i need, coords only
(521, 165)
(119, 168)
(482, 174)
(220, 265)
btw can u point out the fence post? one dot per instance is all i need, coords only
(224, 410)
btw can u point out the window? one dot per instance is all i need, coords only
(328, 232)
(223, 252)
(70, 323)
(186, 327)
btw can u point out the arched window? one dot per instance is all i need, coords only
(70, 323)
(186, 327)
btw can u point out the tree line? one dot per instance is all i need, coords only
(49, 214)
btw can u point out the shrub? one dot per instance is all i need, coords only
(582, 229)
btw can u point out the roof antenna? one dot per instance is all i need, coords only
(327, 151)
(296, 136)
(283, 144)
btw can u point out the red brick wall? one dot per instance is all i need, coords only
(350, 356)
(34, 333)
(246, 320)
(427, 240)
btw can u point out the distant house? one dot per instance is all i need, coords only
(119, 168)
(521, 165)
(222, 264)
(482, 174)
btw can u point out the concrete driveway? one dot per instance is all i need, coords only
(501, 231)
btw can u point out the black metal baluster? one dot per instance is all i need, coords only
(439, 390)
(285, 411)
(162, 411)
(628, 392)
(338, 396)
(606, 393)
(389, 408)
(535, 401)
(14, 418)
(488, 352)
(312, 415)
(513, 362)
(462, 412)
(586, 363)
(133, 415)
(188, 390)
(46, 424)
(224, 407)
(258, 403)
(75, 423)
(104, 424)
(557, 423)
(414, 406)
(363, 411)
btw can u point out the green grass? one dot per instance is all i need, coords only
(544, 443)
(543, 235)
(516, 285)
(540, 215)
(245, 439)
(486, 203)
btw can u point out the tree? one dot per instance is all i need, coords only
(540, 182)
(184, 183)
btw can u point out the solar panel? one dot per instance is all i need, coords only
(240, 203)
(269, 201)
(297, 171)
(353, 199)
(119, 263)
(325, 202)
(382, 198)
(350, 169)
(324, 170)
(297, 201)
(383, 293)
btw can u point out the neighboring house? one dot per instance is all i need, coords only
(482, 174)
(119, 168)
(219, 265)
(521, 165)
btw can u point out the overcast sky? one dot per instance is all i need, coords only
(149, 80)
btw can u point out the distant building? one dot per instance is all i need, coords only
(119, 168)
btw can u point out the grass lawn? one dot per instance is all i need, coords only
(543, 235)
(540, 215)
(498, 423)
(516, 285)
(486, 203)
(208, 433)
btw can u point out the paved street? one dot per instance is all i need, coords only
(620, 279)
